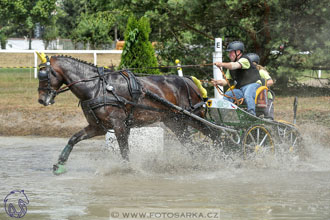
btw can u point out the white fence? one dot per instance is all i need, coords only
(94, 52)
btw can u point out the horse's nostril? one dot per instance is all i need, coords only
(41, 101)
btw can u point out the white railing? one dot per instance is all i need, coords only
(94, 52)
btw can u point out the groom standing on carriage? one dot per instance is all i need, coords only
(243, 72)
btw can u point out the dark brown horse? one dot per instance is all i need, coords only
(119, 100)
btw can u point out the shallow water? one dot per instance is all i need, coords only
(286, 187)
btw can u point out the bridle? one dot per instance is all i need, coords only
(45, 70)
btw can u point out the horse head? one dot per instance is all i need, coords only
(50, 80)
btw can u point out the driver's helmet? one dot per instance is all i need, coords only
(253, 57)
(235, 45)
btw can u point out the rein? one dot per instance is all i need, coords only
(67, 87)
(182, 66)
(238, 102)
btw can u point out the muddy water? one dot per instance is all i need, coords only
(287, 187)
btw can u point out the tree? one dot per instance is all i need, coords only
(278, 30)
(69, 15)
(302, 36)
(21, 16)
(138, 51)
(89, 22)
(3, 37)
(94, 29)
(50, 32)
(120, 13)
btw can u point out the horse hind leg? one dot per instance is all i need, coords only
(180, 129)
(186, 131)
(86, 133)
(122, 133)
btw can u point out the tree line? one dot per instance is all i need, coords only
(289, 36)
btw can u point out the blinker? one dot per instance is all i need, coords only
(43, 75)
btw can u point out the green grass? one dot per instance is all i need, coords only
(18, 87)
(307, 75)
(17, 81)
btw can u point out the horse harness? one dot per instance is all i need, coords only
(45, 70)
(135, 89)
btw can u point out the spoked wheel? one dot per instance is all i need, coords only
(290, 137)
(197, 138)
(212, 146)
(257, 141)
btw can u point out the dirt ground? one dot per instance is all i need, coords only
(41, 122)
(63, 121)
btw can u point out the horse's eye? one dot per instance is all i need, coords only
(42, 75)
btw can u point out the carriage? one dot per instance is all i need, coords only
(234, 129)
(253, 134)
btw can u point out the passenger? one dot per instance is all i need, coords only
(264, 74)
(243, 72)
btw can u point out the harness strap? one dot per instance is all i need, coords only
(134, 86)
(101, 101)
(90, 105)
(100, 71)
(135, 90)
(198, 105)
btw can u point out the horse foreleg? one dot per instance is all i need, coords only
(122, 134)
(86, 133)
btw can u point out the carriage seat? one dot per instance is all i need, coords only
(261, 99)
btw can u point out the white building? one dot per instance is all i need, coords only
(38, 44)
(23, 44)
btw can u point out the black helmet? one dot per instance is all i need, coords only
(253, 57)
(235, 45)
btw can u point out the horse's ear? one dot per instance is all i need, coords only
(42, 57)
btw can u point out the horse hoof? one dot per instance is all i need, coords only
(59, 169)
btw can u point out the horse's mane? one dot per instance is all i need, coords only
(76, 59)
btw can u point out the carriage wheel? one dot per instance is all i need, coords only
(290, 137)
(257, 140)
(200, 144)
(199, 139)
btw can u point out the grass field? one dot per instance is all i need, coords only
(19, 89)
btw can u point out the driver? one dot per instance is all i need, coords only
(241, 70)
